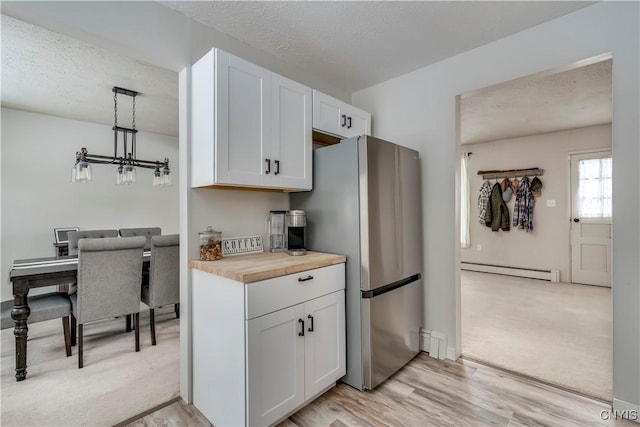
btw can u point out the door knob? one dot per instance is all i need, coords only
(576, 219)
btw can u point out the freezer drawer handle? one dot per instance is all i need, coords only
(304, 279)
(301, 333)
(391, 286)
(310, 328)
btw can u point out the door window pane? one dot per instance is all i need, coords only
(594, 191)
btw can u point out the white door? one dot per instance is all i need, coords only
(591, 214)
(358, 122)
(325, 356)
(275, 365)
(243, 123)
(291, 143)
(326, 114)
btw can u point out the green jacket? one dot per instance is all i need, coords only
(499, 210)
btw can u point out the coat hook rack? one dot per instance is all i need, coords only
(510, 173)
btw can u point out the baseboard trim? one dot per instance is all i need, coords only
(425, 337)
(627, 410)
(425, 341)
(552, 275)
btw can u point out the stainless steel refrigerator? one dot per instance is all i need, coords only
(366, 205)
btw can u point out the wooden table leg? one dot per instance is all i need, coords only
(19, 314)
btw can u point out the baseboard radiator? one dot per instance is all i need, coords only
(532, 273)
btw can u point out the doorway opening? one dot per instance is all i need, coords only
(524, 303)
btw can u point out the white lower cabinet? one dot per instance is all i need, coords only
(293, 355)
(289, 331)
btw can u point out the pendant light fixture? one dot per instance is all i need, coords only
(127, 162)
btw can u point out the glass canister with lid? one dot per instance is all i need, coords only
(210, 244)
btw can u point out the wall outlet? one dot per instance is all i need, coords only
(551, 203)
(478, 247)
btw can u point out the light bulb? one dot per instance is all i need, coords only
(166, 176)
(84, 172)
(74, 173)
(157, 178)
(166, 179)
(119, 175)
(129, 175)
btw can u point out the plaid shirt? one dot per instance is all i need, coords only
(523, 208)
(484, 214)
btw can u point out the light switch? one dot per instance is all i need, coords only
(551, 203)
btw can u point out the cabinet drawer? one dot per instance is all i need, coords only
(275, 294)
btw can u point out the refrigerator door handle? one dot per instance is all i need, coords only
(391, 286)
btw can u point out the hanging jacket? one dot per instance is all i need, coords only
(523, 208)
(484, 213)
(499, 210)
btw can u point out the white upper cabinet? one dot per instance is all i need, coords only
(291, 133)
(332, 116)
(242, 139)
(250, 127)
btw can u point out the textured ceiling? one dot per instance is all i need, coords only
(349, 45)
(47, 72)
(354, 45)
(538, 104)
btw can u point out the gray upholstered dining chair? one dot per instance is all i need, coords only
(43, 307)
(147, 232)
(163, 285)
(109, 280)
(75, 236)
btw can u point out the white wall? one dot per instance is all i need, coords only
(547, 247)
(419, 110)
(38, 196)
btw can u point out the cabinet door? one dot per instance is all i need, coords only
(325, 356)
(242, 142)
(290, 134)
(326, 114)
(275, 365)
(358, 122)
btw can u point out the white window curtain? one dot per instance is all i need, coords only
(594, 191)
(464, 202)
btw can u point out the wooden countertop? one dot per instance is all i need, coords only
(266, 265)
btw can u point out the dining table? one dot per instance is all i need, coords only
(34, 273)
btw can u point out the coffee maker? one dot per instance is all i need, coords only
(276, 229)
(296, 222)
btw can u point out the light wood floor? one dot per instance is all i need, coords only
(430, 392)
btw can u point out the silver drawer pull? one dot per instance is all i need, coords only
(304, 279)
